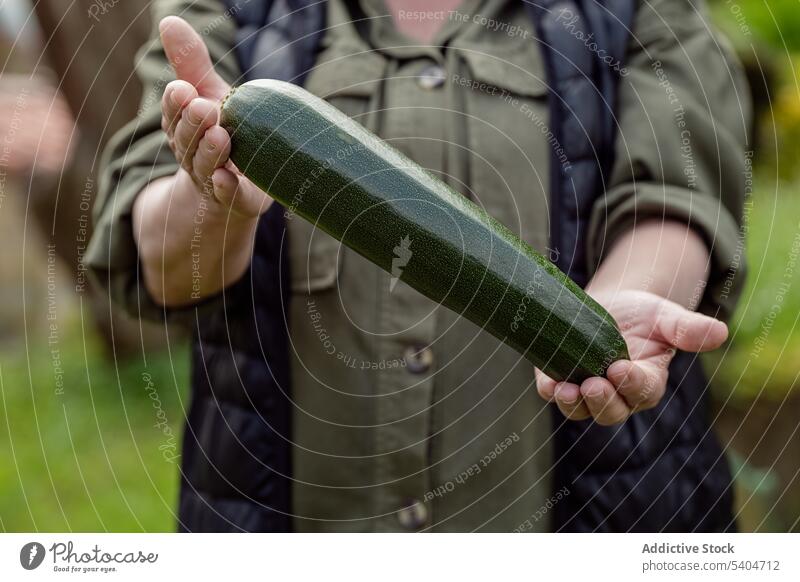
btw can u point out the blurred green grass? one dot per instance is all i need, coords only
(87, 459)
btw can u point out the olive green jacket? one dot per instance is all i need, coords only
(406, 415)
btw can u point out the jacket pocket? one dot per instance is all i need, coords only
(517, 71)
(348, 76)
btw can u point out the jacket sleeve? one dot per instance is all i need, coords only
(682, 148)
(139, 154)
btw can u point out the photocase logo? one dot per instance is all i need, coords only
(402, 254)
(31, 555)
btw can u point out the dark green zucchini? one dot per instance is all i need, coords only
(331, 171)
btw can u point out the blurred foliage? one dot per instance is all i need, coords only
(766, 36)
(775, 22)
(92, 458)
(780, 130)
(765, 338)
(761, 358)
(755, 377)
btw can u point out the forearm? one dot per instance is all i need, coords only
(666, 258)
(190, 246)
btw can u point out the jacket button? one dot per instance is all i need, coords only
(419, 359)
(413, 516)
(431, 77)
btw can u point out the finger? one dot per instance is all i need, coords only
(177, 95)
(640, 384)
(569, 401)
(604, 403)
(238, 193)
(188, 55)
(213, 150)
(690, 331)
(545, 385)
(225, 185)
(197, 117)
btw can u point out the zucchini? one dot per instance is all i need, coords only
(331, 171)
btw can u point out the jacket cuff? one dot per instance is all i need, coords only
(618, 211)
(112, 259)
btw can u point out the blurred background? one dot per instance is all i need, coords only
(91, 403)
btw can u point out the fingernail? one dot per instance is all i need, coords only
(593, 393)
(565, 396)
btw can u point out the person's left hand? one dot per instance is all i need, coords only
(654, 328)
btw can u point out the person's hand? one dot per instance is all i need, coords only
(38, 132)
(190, 110)
(654, 328)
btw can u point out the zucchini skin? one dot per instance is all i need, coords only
(331, 171)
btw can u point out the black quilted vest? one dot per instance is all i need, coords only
(662, 470)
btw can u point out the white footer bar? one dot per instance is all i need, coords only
(395, 557)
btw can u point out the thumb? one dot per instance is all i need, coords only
(188, 55)
(689, 331)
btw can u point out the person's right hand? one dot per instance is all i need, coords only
(190, 111)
